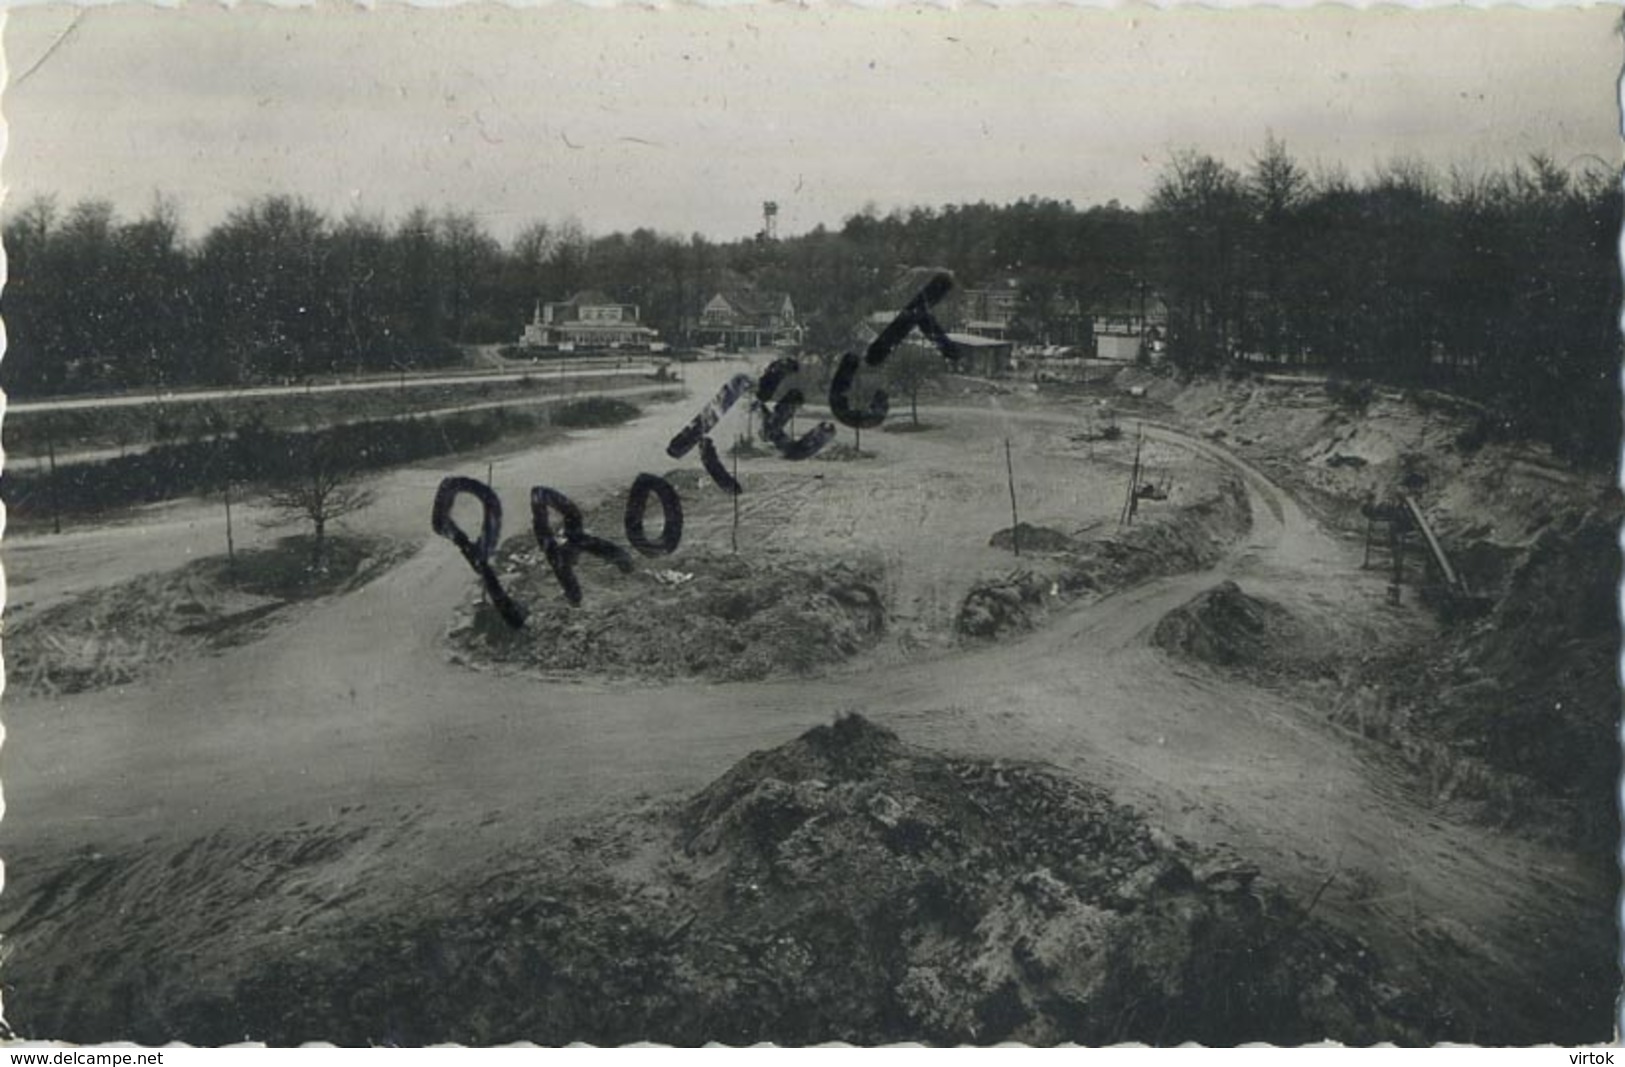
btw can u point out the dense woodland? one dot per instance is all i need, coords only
(1502, 285)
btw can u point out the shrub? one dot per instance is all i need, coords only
(1352, 396)
(257, 455)
(594, 411)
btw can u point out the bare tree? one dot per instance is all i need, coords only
(910, 367)
(318, 488)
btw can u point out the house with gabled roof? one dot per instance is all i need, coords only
(591, 319)
(736, 314)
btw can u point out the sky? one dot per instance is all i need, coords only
(686, 119)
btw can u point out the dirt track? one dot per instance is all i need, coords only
(388, 733)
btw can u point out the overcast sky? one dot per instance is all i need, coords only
(686, 119)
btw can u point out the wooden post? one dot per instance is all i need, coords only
(735, 538)
(231, 548)
(1134, 491)
(1396, 544)
(485, 594)
(1133, 484)
(1396, 549)
(56, 503)
(1015, 522)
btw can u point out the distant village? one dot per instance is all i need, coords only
(734, 315)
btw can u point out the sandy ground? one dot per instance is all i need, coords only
(353, 718)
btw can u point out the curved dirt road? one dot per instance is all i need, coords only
(483, 760)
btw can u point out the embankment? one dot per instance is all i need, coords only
(1064, 568)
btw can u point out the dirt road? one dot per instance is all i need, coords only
(387, 731)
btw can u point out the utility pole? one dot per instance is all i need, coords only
(1010, 477)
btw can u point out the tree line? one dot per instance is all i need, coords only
(278, 291)
(1502, 284)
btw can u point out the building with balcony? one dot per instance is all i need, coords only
(589, 320)
(737, 315)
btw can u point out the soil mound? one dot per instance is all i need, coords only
(119, 633)
(1182, 540)
(696, 613)
(1013, 603)
(1228, 628)
(841, 452)
(844, 886)
(1035, 539)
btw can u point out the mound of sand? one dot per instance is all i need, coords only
(1012, 603)
(1226, 627)
(1039, 540)
(1180, 540)
(843, 886)
(841, 452)
(119, 633)
(698, 613)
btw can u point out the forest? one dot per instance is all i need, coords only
(1500, 285)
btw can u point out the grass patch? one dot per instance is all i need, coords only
(176, 422)
(594, 411)
(286, 570)
(254, 456)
